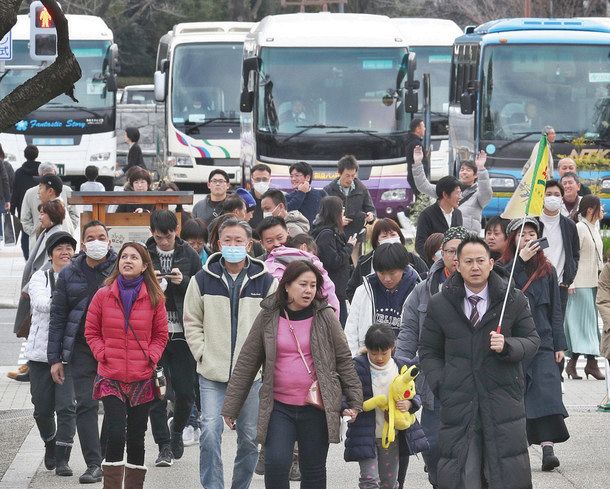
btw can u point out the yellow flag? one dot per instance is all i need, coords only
(528, 199)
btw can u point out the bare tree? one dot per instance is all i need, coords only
(244, 10)
(54, 80)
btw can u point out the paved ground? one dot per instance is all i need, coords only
(584, 458)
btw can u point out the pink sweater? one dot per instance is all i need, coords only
(291, 380)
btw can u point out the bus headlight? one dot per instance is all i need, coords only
(394, 194)
(505, 183)
(606, 185)
(100, 157)
(183, 161)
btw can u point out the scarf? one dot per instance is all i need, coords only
(128, 291)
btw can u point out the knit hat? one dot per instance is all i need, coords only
(56, 239)
(516, 224)
(457, 232)
(246, 197)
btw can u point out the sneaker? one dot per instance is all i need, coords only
(188, 436)
(177, 444)
(92, 475)
(165, 458)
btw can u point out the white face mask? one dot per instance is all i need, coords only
(552, 203)
(96, 250)
(438, 255)
(270, 213)
(392, 239)
(261, 187)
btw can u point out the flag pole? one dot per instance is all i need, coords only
(510, 278)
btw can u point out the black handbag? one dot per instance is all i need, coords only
(11, 227)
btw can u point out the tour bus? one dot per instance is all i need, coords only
(511, 78)
(198, 78)
(432, 42)
(70, 134)
(318, 86)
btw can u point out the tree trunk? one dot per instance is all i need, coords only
(54, 80)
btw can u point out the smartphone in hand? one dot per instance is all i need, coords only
(543, 242)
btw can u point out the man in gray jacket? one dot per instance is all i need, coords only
(476, 187)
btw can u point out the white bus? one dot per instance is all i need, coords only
(432, 41)
(70, 134)
(199, 80)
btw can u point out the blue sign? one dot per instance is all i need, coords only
(6, 47)
(36, 124)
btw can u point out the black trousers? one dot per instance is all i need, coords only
(125, 425)
(180, 371)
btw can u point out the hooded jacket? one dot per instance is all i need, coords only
(477, 385)
(296, 223)
(208, 315)
(279, 258)
(24, 179)
(371, 300)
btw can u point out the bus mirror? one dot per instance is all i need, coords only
(411, 66)
(111, 83)
(468, 101)
(113, 52)
(411, 102)
(246, 101)
(159, 86)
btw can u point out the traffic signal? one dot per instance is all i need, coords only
(43, 35)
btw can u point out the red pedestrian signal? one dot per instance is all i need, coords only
(44, 19)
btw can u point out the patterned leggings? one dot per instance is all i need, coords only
(380, 472)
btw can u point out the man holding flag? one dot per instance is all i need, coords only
(477, 334)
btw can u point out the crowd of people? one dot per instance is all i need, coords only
(263, 311)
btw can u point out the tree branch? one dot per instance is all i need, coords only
(8, 15)
(54, 80)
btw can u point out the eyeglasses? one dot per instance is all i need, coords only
(217, 181)
(450, 252)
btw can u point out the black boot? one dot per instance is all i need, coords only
(549, 460)
(49, 455)
(62, 455)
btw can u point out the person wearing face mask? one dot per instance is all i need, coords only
(564, 248)
(385, 230)
(273, 203)
(219, 306)
(67, 348)
(407, 345)
(476, 187)
(261, 181)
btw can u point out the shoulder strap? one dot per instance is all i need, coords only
(528, 283)
(594, 243)
(51, 278)
(298, 347)
(129, 326)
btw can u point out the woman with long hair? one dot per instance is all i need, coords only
(537, 279)
(335, 249)
(297, 340)
(126, 328)
(581, 329)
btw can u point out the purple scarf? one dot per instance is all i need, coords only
(128, 291)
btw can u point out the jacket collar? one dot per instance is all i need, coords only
(254, 269)
(114, 290)
(455, 292)
(270, 304)
(105, 268)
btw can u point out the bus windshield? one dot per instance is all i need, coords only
(527, 87)
(206, 84)
(326, 90)
(90, 90)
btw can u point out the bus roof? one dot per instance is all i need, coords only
(81, 28)
(189, 32)
(325, 29)
(428, 32)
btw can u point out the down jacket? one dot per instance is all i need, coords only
(474, 383)
(360, 438)
(331, 358)
(113, 340)
(69, 306)
(39, 290)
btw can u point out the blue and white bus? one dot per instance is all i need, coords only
(512, 77)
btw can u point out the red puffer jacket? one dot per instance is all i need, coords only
(116, 350)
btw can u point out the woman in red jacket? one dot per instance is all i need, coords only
(126, 329)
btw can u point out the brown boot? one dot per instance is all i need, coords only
(113, 475)
(591, 368)
(571, 368)
(134, 476)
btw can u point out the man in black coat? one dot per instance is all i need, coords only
(477, 374)
(68, 353)
(417, 130)
(441, 215)
(25, 178)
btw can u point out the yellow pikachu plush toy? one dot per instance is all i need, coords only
(402, 387)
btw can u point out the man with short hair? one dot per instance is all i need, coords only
(476, 372)
(174, 263)
(441, 215)
(210, 207)
(571, 199)
(220, 304)
(273, 204)
(273, 233)
(67, 347)
(260, 178)
(495, 236)
(304, 198)
(568, 165)
(417, 131)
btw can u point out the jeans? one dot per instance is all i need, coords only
(84, 369)
(194, 418)
(125, 425)
(431, 424)
(306, 425)
(179, 366)
(49, 398)
(210, 461)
